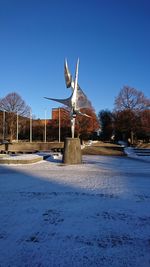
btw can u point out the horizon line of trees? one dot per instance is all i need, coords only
(129, 121)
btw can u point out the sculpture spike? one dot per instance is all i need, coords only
(68, 77)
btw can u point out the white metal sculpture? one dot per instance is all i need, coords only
(77, 100)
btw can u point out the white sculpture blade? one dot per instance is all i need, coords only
(68, 76)
(66, 101)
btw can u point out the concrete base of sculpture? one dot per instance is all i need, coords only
(72, 151)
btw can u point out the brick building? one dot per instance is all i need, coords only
(61, 113)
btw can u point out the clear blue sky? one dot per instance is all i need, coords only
(111, 38)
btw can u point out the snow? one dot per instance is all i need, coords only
(20, 157)
(93, 214)
(132, 154)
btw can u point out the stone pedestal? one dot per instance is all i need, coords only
(72, 151)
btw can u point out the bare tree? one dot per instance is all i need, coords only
(126, 124)
(131, 98)
(145, 125)
(128, 107)
(14, 103)
(14, 106)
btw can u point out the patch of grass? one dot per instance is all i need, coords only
(101, 148)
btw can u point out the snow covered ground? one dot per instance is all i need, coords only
(93, 214)
(130, 152)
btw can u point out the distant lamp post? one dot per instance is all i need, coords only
(30, 126)
(3, 125)
(45, 128)
(59, 124)
(17, 128)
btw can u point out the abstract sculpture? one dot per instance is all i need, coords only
(77, 100)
